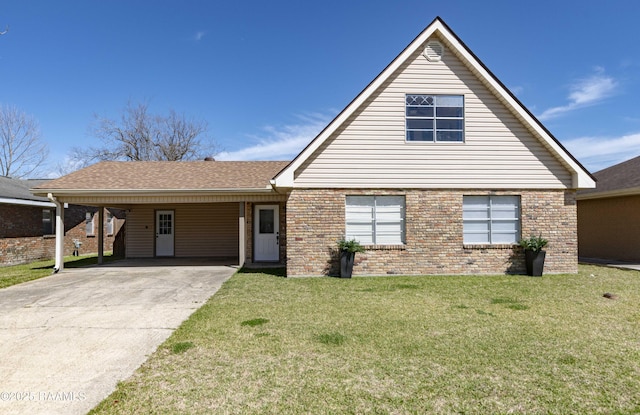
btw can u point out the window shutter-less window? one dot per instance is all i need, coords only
(375, 220)
(491, 219)
(89, 223)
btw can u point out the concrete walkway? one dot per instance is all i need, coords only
(67, 339)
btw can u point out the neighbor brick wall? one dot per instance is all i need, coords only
(434, 240)
(22, 241)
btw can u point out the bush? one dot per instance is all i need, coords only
(534, 243)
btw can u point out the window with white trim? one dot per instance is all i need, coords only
(491, 219)
(89, 223)
(375, 220)
(48, 222)
(434, 118)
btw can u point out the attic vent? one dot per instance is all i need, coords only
(433, 51)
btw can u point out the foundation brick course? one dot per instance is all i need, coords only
(434, 234)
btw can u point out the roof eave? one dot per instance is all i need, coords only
(147, 192)
(633, 191)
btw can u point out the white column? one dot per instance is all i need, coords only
(241, 235)
(100, 234)
(59, 256)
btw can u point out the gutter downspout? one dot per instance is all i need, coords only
(59, 256)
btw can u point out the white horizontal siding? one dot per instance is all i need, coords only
(369, 150)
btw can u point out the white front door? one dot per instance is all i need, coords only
(267, 235)
(164, 232)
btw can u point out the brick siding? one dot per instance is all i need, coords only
(434, 234)
(22, 239)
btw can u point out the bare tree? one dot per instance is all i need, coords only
(139, 136)
(22, 151)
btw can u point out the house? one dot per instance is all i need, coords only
(27, 225)
(435, 167)
(609, 215)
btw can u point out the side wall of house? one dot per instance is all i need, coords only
(609, 228)
(22, 239)
(434, 234)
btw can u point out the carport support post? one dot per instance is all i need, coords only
(241, 235)
(100, 234)
(59, 256)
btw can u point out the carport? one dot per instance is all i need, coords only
(191, 209)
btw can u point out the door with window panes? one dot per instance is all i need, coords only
(164, 232)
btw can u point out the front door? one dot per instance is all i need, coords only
(267, 235)
(164, 232)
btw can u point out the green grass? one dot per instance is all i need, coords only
(17, 274)
(402, 345)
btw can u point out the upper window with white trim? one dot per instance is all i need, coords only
(492, 220)
(375, 220)
(434, 118)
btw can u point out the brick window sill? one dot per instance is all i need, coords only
(496, 246)
(49, 236)
(385, 247)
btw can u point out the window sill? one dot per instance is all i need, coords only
(488, 246)
(52, 236)
(385, 247)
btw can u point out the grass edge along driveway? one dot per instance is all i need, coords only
(451, 344)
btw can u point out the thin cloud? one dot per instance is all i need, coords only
(585, 92)
(280, 143)
(199, 35)
(597, 153)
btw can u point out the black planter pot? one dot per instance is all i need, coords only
(534, 262)
(346, 263)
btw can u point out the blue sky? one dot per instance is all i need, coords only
(268, 75)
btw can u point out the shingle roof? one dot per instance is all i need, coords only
(19, 189)
(617, 178)
(170, 175)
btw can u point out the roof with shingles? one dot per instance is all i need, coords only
(19, 189)
(169, 175)
(621, 177)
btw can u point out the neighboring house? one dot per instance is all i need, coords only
(435, 167)
(27, 225)
(609, 215)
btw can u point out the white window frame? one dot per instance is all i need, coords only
(371, 221)
(89, 224)
(494, 213)
(110, 223)
(417, 107)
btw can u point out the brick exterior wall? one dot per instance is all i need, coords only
(22, 239)
(434, 234)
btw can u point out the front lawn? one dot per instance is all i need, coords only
(415, 345)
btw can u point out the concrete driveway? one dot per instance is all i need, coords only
(67, 339)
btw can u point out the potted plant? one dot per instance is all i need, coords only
(348, 249)
(533, 254)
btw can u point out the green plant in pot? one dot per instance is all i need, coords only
(533, 254)
(348, 249)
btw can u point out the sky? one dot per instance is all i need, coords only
(267, 76)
